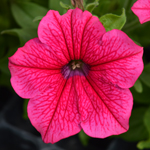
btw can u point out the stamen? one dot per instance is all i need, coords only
(74, 66)
(78, 65)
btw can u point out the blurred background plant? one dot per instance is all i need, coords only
(19, 21)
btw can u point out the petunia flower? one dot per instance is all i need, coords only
(141, 8)
(77, 76)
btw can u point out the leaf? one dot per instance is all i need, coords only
(91, 6)
(137, 130)
(55, 5)
(38, 18)
(106, 6)
(145, 76)
(138, 86)
(25, 12)
(142, 31)
(4, 67)
(10, 52)
(84, 138)
(65, 6)
(141, 97)
(144, 144)
(147, 120)
(5, 80)
(4, 22)
(4, 61)
(2, 47)
(25, 103)
(23, 34)
(84, 3)
(111, 21)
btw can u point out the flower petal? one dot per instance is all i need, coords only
(64, 34)
(118, 60)
(141, 8)
(33, 68)
(92, 35)
(55, 113)
(104, 108)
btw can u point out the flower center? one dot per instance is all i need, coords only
(75, 67)
(76, 64)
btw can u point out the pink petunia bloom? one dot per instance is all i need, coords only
(141, 8)
(77, 76)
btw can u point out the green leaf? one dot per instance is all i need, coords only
(91, 6)
(137, 130)
(10, 52)
(25, 103)
(40, 2)
(23, 34)
(2, 47)
(84, 138)
(4, 22)
(4, 67)
(5, 80)
(111, 21)
(4, 61)
(38, 18)
(143, 33)
(144, 144)
(138, 86)
(65, 6)
(145, 76)
(84, 3)
(55, 5)
(147, 120)
(143, 97)
(25, 12)
(106, 6)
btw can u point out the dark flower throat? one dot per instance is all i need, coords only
(75, 67)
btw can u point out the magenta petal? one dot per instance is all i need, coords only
(54, 113)
(92, 35)
(65, 34)
(33, 68)
(118, 59)
(104, 108)
(50, 32)
(141, 8)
